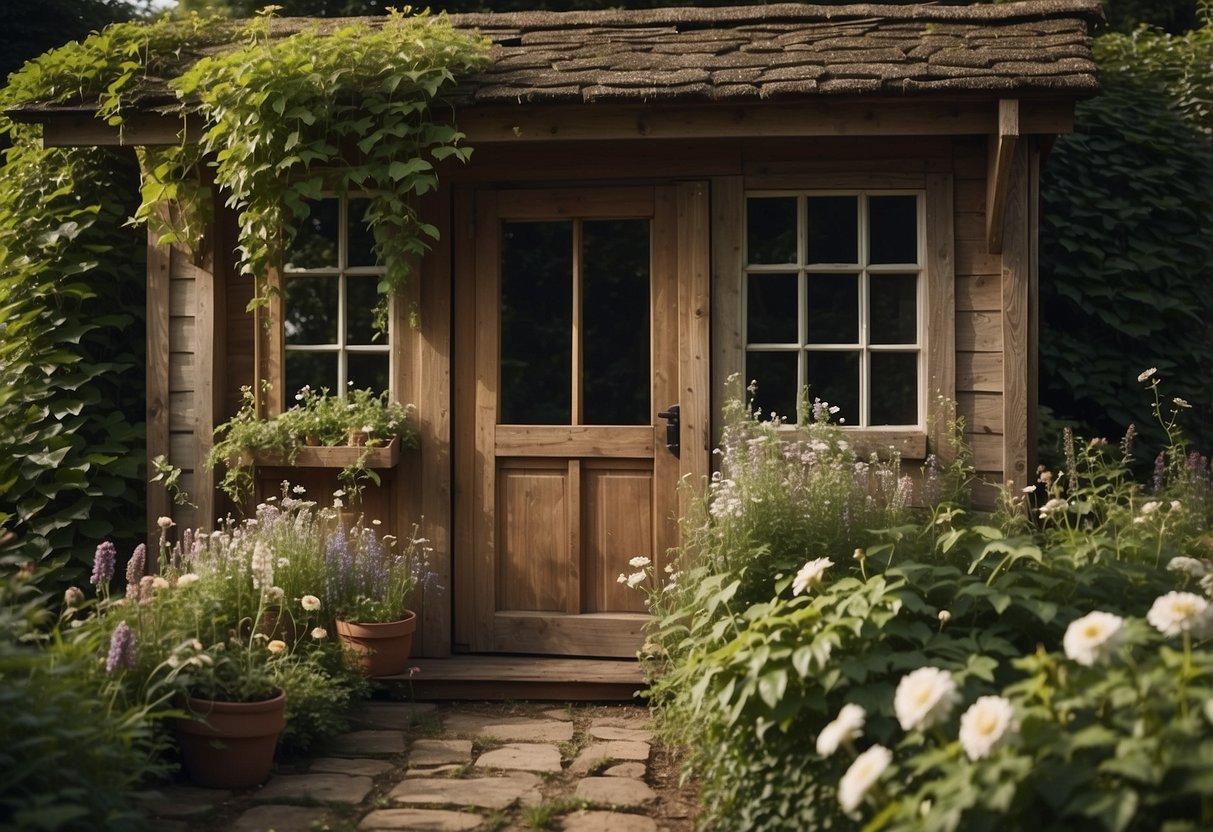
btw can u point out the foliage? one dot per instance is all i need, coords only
(360, 417)
(78, 752)
(1114, 743)
(340, 110)
(71, 424)
(1126, 237)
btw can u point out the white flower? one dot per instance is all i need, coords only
(1091, 639)
(159, 583)
(847, 726)
(310, 603)
(274, 593)
(283, 563)
(1147, 373)
(944, 616)
(639, 562)
(862, 775)
(1189, 566)
(1029, 489)
(1179, 612)
(276, 646)
(164, 522)
(319, 633)
(635, 579)
(1150, 507)
(1055, 504)
(299, 489)
(810, 574)
(1176, 505)
(924, 698)
(1178, 402)
(262, 566)
(987, 724)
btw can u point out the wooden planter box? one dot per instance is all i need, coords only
(323, 456)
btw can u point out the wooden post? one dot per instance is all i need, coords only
(159, 263)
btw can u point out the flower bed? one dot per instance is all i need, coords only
(1047, 665)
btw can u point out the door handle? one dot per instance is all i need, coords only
(672, 428)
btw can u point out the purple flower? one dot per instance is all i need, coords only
(103, 564)
(1160, 471)
(135, 567)
(123, 648)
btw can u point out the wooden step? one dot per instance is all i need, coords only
(499, 677)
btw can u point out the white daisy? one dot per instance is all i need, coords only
(861, 776)
(1179, 612)
(847, 726)
(987, 724)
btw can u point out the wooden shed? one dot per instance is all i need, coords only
(844, 197)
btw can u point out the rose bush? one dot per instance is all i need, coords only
(1044, 665)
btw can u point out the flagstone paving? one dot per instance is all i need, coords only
(461, 766)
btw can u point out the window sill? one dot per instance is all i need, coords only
(340, 456)
(910, 444)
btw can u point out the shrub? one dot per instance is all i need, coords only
(938, 616)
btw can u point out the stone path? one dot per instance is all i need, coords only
(420, 766)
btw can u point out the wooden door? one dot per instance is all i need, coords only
(576, 349)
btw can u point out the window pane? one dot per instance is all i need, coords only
(893, 229)
(311, 310)
(368, 370)
(315, 243)
(360, 249)
(834, 378)
(894, 393)
(833, 229)
(771, 230)
(361, 299)
(536, 323)
(315, 369)
(771, 304)
(833, 309)
(616, 370)
(775, 373)
(893, 308)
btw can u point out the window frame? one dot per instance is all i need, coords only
(939, 259)
(342, 272)
(863, 270)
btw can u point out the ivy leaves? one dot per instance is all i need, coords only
(292, 118)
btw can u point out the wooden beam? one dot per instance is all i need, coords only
(582, 122)
(941, 309)
(694, 335)
(1016, 324)
(159, 262)
(876, 117)
(1001, 152)
(728, 275)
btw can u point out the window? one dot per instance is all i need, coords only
(834, 298)
(331, 286)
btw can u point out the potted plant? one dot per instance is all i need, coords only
(356, 433)
(202, 628)
(367, 589)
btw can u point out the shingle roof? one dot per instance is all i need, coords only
(785, 50)
(744, 54)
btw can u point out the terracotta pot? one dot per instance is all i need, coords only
(311, 439)
(232, 747)
(358, 438)
(380, 649)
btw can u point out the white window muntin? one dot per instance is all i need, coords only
(341, 272)
(863, 270)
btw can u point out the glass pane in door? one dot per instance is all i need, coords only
(536, 323)
(615, 368)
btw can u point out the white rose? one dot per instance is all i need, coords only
(924, 698)
(847, 726)
(1090, 639)
(987, 724)
(861, 776)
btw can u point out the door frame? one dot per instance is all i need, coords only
(686, 250)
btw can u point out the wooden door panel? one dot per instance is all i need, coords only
(617, 525)
(533, 539)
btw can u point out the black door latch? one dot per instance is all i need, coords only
(671, 429)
